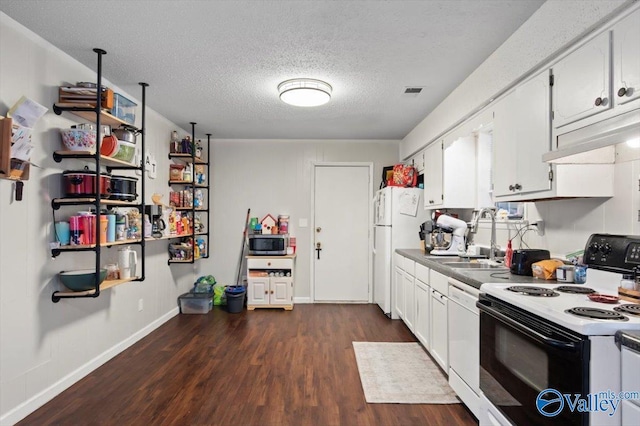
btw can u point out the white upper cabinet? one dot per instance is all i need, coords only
(433, 175)
(581, 85)
(600, 79)
(521, 135)
(417, 161)
(626, 59)
(450, 173)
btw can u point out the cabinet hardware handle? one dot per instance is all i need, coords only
(518, 187)
(266, 292)
(622, 91)
(601, 101)
(271, 291)
(511, 188)
(269, 264)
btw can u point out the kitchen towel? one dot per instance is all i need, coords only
(400, 373)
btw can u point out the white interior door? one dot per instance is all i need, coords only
(342, 205)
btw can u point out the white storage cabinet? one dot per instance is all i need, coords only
(450, 173)
(270, 281)
(520, 136)
(423, 304)
(439, 319)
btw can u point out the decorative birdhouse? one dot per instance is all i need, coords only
(267, 222)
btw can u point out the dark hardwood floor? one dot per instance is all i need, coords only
(264, 367)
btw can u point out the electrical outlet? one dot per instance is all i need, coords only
(140, 305)
(539, 227)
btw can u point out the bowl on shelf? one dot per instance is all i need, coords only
(82, 279)
(126, 151)
(79, 139)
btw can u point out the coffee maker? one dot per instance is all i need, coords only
(157, 223)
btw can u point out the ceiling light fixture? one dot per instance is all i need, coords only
(305, 92)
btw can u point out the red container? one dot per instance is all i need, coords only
(88, 225)
(83, 184)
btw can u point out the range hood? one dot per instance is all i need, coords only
(595, 143)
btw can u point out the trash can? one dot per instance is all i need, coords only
(235, 298)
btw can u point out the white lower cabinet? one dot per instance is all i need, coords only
(270, 282)
(408, 283)
(439, 335)
(423, 313)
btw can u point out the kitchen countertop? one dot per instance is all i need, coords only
(472, 277)
(629, 339)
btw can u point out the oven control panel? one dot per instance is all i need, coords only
(615, 253)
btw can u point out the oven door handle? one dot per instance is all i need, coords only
(559, 344)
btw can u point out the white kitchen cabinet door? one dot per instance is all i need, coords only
(258, 289)
(433, 162)
(398, 299)
(459, 172)
(417, 161)
(581, 82)
(421, 326)
(280, 292)
(521, 135)
(409, 300)
(439, 332)
(626, 59)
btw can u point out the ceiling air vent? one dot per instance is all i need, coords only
(412, 90)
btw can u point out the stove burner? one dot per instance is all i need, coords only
(575, 289)
(630, 309)
(532, 291)
(596, 313)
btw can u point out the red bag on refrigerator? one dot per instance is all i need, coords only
(405, 176)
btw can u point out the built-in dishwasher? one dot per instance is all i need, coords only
(464, 343)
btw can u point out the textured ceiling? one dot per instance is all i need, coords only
(218, 63)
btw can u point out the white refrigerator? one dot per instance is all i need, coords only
(397, 215)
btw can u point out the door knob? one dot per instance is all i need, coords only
(318, 229)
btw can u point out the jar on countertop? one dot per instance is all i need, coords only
(283, 224)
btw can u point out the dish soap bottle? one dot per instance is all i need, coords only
(508, 254)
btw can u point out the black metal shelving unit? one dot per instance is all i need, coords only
(96, 114)
(191, 158)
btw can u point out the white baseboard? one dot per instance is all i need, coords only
(302, 300)
(37, 401)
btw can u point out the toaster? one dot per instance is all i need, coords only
(522, 259)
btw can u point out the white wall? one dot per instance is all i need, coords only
(554, 26)
(275, 177)
(45, 347)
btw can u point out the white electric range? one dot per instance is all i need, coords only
(550, 356)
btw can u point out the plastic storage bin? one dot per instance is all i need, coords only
(124, 109)
(195, 303)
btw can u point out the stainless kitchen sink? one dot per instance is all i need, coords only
(472, 265)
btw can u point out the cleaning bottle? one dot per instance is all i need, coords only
(507, 255)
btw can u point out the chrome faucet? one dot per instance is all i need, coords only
(492, 215)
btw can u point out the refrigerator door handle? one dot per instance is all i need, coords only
(374, 240)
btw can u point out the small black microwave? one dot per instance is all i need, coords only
(268, 244)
